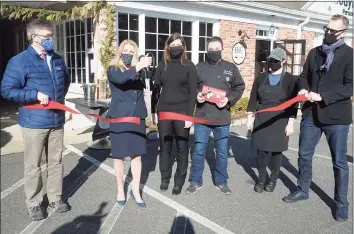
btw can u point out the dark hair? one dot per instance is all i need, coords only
(214, 39)
(166, 53)
(343, 18)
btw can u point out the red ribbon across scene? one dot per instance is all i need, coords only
(162, 115)
(58, 106)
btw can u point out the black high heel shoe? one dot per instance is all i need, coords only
(141, 204)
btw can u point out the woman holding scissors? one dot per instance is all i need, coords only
(271, 130)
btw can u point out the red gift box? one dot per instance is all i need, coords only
(213, 95)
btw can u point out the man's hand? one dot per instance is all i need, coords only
(289, 129)
(44, 99)
(223, 103)
(303, 91)
(200, 97)
(314, 97)
(188, 124)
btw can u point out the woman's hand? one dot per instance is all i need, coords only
(200, 98)
(188, 124)
(143, 63)
(289, 129)
(250, 122)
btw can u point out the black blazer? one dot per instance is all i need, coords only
(127, 93)
(335, 85)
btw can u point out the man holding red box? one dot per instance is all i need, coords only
(220, 87)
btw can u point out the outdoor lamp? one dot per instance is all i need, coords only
(271, 30)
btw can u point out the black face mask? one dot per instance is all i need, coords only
(330, 39)
(214, 56)
(127, 59)
(176, 51)
(274, 65)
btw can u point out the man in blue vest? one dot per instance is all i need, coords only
(38, 75)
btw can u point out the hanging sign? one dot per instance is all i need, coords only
(238, 53)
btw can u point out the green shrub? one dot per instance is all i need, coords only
(241, 105)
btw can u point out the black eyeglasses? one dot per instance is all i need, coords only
(332, 31)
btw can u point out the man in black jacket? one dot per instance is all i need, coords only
(218, 74)
(327, 81)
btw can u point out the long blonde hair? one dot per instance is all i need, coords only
(118, 62)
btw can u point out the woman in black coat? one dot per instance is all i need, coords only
(271, 130)
(128, 100)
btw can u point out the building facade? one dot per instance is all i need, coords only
(260, 27)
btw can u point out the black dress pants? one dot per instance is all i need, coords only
(169, 130)
(262, 161)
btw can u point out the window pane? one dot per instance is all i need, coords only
(163, 26)
(78, 57)
(122, 21)
(150, 41)
(188, 42)
(62, 43)
(89, 25)
(201, 29)
(57, 31)
(209, 30)
(83, 44)
(78, 27)
(79, 77)
(161, 41)
(187, 28)
(72, 44)
(160, 58)
(89, 41)
(134, 22)
(83, 72)
(176, 26)
(67, 27)
(78, 43)
(134, 36)
(201, 43)
(150, 24)
(83, 61)
(68, 60)
(201, 57)
(72, 55)
(122, 35)
(82, 28)
(71, 33)
(72, 72)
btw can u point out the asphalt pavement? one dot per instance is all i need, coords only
(89, 186)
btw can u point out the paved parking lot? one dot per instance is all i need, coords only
(89, 186)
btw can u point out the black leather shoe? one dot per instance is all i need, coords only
(295, 197)
(270, 186)
(176, 190)
(341, 214)
(259, 187)
(164, 186)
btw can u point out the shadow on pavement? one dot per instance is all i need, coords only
(84, 223)
(182, 225)
(246, 157)
(8, 114)
(5, 138)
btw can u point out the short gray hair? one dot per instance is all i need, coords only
(343, 18)
(35, 25)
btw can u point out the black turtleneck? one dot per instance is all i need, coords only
(178, 82)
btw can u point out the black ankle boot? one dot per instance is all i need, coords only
(270, 186)
(164, 185)
(259, 187)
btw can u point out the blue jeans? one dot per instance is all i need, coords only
(221, 138)
(337, 136)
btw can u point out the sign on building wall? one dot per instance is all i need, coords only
(343, 7)
(238, 53)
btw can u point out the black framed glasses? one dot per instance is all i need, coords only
(332, 31)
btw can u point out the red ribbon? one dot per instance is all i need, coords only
(176, 116)
(58, 106)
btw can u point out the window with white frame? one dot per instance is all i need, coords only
(157, 31)
(262, 33)
(59, 39)
(78, 44)
(205, 32)
(128, 27)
